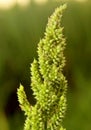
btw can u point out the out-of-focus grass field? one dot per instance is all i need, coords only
(20, 31)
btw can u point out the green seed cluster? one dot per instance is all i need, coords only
(47, 80)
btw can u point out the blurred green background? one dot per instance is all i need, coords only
(20, 31)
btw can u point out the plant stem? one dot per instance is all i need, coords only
(45, 125)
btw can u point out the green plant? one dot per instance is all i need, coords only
(48, 82)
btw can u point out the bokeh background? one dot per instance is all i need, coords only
(22, 24)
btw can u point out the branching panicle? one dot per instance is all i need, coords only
(48, 82)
